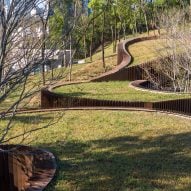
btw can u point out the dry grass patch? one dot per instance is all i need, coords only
(147, 50)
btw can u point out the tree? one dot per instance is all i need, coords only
(175, 62)
(20, 55)
(44, 18)
(100, 8)
(21, 52)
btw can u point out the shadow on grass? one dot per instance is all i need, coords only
(74, 94)
(29, 119)
(124, 164)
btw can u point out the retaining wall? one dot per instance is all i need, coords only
(182, 106)
(122, 72)
(52, 100)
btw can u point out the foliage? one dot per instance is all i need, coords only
(175, 62)
(124, 17)
(57, 21)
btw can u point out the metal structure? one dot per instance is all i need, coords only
(123, 71)
(24, 168)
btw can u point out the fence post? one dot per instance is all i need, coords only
(44, 99)
(148, 105)
(119, 53)
(6, 172)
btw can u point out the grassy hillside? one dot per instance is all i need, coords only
(147, 50)
(80, 71)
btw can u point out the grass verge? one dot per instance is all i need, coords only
(109, 151)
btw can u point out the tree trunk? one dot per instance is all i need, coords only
(85, 54)
(70, 63)
(3, 55)
(136, 30)
(43, 72)
(52, 71)
(1, 74)
(112, 36)
(64, 55)
(92, 38)
(115, 33)
(124, 31)
(146, 22)
(43, 52)
(103, 41)
(3, 50)
(118, 34)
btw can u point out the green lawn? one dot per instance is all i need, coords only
(114, 91)
(113, 151)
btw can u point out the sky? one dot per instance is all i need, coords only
(7, 2)
(40, 5)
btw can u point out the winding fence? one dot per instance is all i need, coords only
(123, 71)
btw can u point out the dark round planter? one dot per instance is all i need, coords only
(23, 168)
(145, 84)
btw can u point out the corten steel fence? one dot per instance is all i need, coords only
(53, 100)
(24, 168)
(182, 106)
(124, 71)
(16, 170)
(124, 60)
